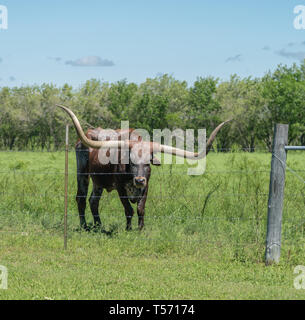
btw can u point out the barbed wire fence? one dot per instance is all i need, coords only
(182, 201)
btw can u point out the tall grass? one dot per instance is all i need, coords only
(226, 207)
(204, 235)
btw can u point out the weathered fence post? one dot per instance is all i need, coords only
(66, 186)
(276, 194)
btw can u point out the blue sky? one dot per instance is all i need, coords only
(71, 41)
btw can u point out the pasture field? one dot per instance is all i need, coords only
(204, 236)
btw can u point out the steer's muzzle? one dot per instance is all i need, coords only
(139, 182)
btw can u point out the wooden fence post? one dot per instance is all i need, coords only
(66, 186)
(276, 194)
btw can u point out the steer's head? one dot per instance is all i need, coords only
(140, 159)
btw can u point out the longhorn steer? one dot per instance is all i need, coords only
(129, 178)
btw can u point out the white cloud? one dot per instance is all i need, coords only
(236, 58)
(90, 61)
(56, 59)
(295, 55)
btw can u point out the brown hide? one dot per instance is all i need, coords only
(108, 176)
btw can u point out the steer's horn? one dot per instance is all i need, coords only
(129, 144)
(187, 154)
(91, 143)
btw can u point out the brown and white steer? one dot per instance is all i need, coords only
(128, 177)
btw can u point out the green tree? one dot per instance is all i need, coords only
(284, 90)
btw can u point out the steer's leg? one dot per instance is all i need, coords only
(94, 202)
(82, 158)
(141, 209)
(128, 208)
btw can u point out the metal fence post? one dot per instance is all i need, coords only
(276, 194)
(66, 186)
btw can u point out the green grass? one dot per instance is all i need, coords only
(204, 235)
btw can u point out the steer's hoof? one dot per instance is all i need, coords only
(85, 228)
(97, 228)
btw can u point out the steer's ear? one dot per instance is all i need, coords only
(155, 162)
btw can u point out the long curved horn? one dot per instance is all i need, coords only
(187, 154)
(156, 147)
(91, 143)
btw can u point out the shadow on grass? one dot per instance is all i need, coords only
(91, 228)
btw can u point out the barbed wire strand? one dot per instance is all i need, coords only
(233, 150)
(294, 172)
(56, 214)
(125, 173)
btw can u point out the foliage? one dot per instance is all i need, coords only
(29, 119)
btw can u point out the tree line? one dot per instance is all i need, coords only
(29, 119)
